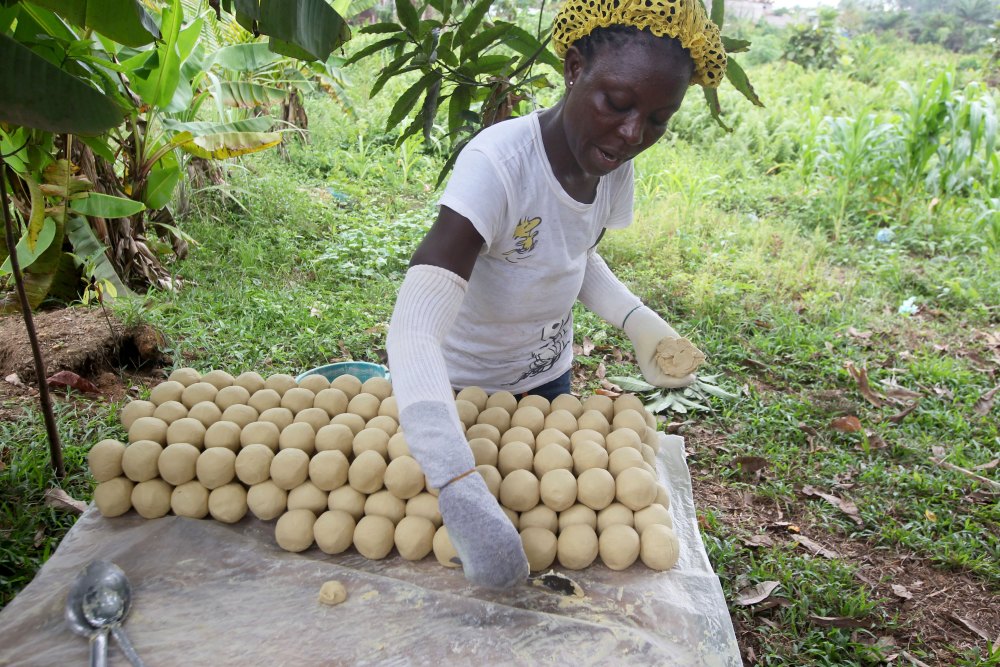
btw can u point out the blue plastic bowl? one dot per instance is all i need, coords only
(362, 370)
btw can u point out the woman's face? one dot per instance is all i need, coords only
(621, 99)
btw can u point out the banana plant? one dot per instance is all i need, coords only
(694, 398)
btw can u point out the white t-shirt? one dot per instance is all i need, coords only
(514, 331)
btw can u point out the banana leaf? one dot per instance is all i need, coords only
(230, 144)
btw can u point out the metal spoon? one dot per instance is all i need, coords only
(78, 623)
(106, 602)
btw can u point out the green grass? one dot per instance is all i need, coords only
(733, 244)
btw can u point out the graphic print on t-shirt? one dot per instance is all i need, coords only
(545, 357)
(525, 237)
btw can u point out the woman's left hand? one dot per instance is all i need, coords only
(658, 347)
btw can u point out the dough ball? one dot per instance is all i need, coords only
(519, 491)
(577, 546)
(218, 379)
(373, 537)
(350, 385)
(332, 401)
(139, 460)
(114, 497)
(389, 407)
(170, 411)
(630, 419)
(628, 402)
(354, 422)
(266, 500)
(653, 515)
(603, 404)
(190, 499)
(577, 514)
(298, 436)
(484, 451)
(328, 470)
(371, 439)
(336, 438)
(650, 418)
(280, 383)
(535, 401)
(648, 455)
(504, 400)
(207, 412)
(530, 418)
(314, 383)
(280, 417)
(308, 496)
(467, 412)
(425, 505)
(289, 468)
(414, 537)
(135, 409)
(557, 489)
(517, 434)
(473, 395)
(378, 387)
(186, 376)
(253, 464)
(265, 399)
(618, 546)
(260, 433)
(148, 428)
(223, 434)
(569, 403)
(492, 478)
(659, 548)
(364, 405)
(540, 546)
(551, 436)
(315, 417)
(331, 592)
(383, 423)
(662, 496)
(294, 530)
(334, 532)
(651, 437)
(383, 503)
(297, 399)
(621, 438)
(561, 420)
(241, 415)
(636, 488)
(615, 513)
(198, 392)
(622, 459)
(444, 551)
(552, 457)
(539, 516)
(177, 463)
(251, 381)
(513, 516)
(216, 467)
(488, 431)
(367, 472)
(495, 416)
(171, 390)
(594, 421)
(588, 454)
(186, 430)
(515, 456)
(228, 503)
(349, 500)
(585, 435)
(398, 447)
(105, 460)
(596, 488)
(404, 478)
(151, 499)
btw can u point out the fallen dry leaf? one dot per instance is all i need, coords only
(677, 427)
(846, 424)
(840, 621)
(969, 625)
(815, 547)
(845, 506)
(771, 603)
(14, 380)
(601, 371)
(588, 346)
(854, 333)
(987, 466)
(757, 593)
(60, 500)
(860, 376)
(900, 591)
(39, 537)
(916, 662)
(875, 441)
(985, 402)
(749, 464)
(70, 380)
(901, 415)
(759, 540)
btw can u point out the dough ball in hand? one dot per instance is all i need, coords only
(678, 357)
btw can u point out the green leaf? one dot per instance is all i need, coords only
(395, 68)
(457, 106)
(124, 21)
(714, 108)
(496, 64)
(106, 206)
(718, 12)
(85, 244)
(733, 45)
(373, 48)
(248, 95)
(311, 25)
(660, 402)
(739, 79)
(471, 48)
(716, 391)
(243, 57)
(161, 182)
(282, 48)
(381, 28)
(472, 20)
(632, 384)
(156, 76)
(37, 105)
(201, 128)
(407, 15)
(409, 98)
(26, 256)
(37, 220)
(230, 144)
(527, 45)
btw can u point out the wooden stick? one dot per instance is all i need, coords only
(968, 473)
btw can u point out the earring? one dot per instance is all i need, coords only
(570, 84)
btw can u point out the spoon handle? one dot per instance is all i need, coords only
(126, 646)
(99, 649)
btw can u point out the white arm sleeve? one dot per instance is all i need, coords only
(604, 294)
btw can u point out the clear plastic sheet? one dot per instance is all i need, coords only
(207, 593)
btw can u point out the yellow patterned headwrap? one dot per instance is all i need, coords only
(684, 20)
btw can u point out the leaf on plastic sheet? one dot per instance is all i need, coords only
(70, 380)
(90, 113)
(741, 81)
(230, 144)
(203, 128)
(407, 15)
(248, 95)
(106, 206)
(409, 98)
(632, 384)
(756, 593)
(86, 245)
(27, 256)
(733, 45)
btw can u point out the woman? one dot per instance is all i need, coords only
(488, 297)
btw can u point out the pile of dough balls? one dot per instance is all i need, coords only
(328, 461)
